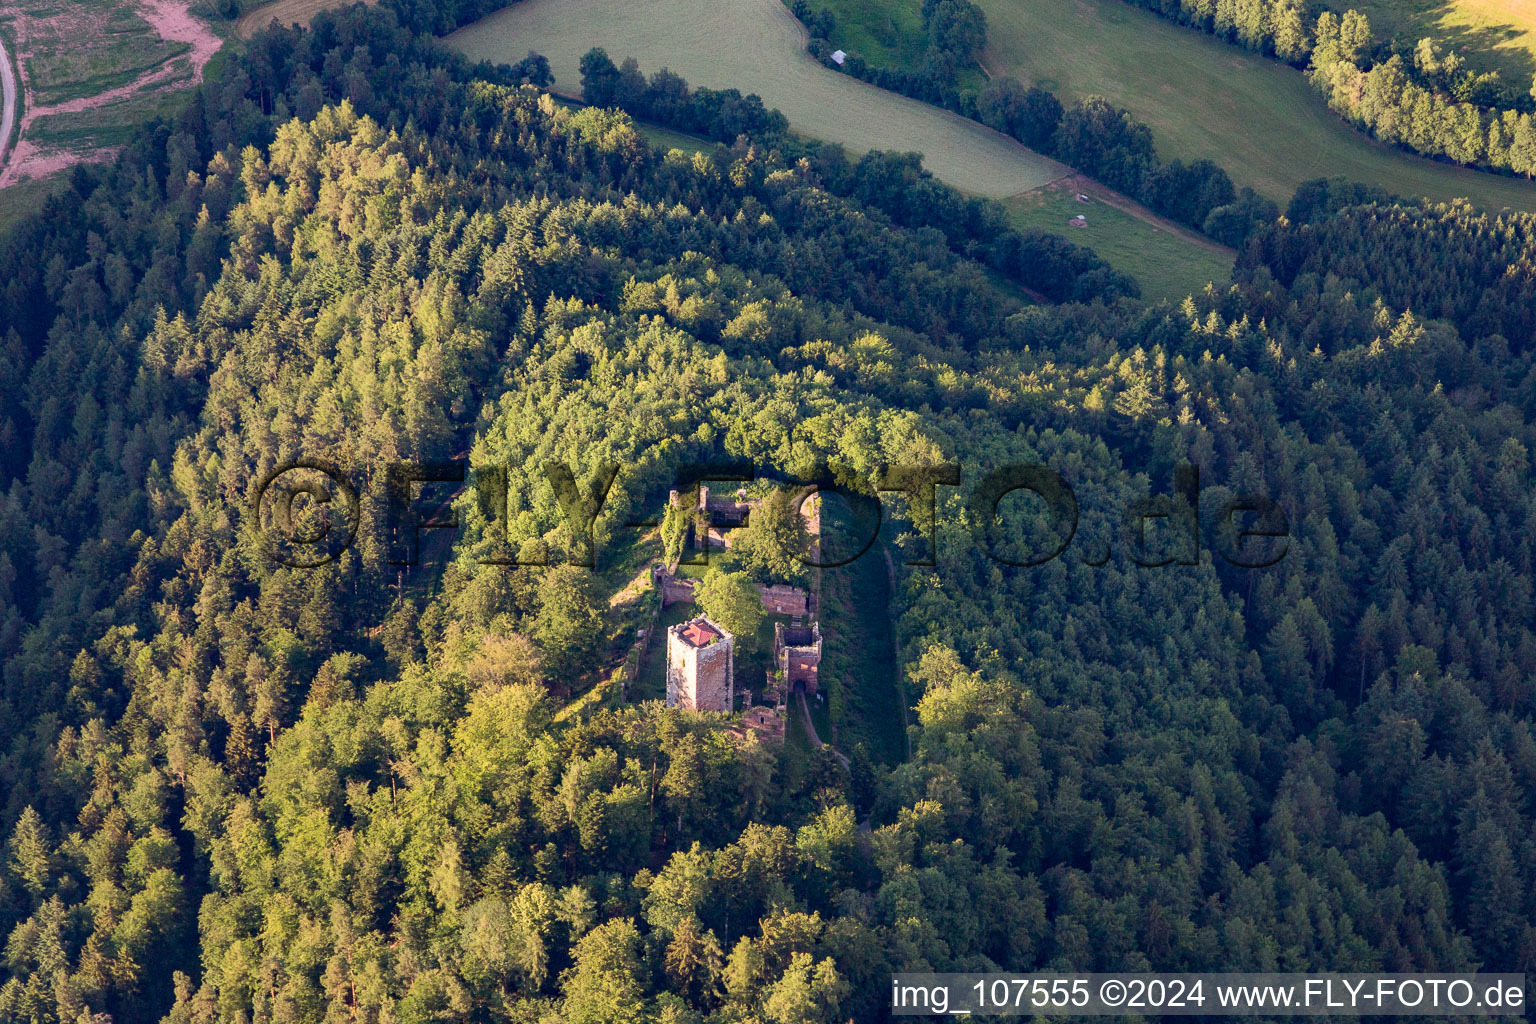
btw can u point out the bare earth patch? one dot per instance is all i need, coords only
(175, 59)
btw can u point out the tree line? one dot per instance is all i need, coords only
(954, 34)
(1423, 99)
(1093, 136)
(1451, 262)
(896, 184)
(1383, 97)
(1288, 30)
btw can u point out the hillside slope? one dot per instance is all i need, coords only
(239, 789)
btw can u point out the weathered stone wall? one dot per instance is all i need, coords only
(799, 661)
(779, 599)
(783, 599)
(700, 678)
(714, 678)
(675, 590)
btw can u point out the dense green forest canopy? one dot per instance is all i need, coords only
(236, 791)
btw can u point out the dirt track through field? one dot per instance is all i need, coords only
(758, 47)
(172, 21)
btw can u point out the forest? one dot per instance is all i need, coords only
(241, 791)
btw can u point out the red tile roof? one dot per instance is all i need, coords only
(700, 633)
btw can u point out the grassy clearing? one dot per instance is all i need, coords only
(25, 198)
(1203, 98)
(651, 682)
(859, 657)
(666, 139)
(1491, 35)
(1169, 263)
(858, 668)
(110, 126)
(757, 46)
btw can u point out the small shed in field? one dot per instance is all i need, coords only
(838, 56)
(1078, 222)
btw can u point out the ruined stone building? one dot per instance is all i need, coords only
(797, 654)
(766, 723)
(700, 666)
(778, 599)
(783, 599)
(723, 515)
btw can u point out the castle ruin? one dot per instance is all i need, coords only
(700, 666)
(797, 654)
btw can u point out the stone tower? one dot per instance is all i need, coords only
(700, 666)
(797, 654)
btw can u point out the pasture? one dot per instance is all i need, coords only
(758, 46)
(665, 139)
(1491, 35)
(1204, 98)
(1169, 262)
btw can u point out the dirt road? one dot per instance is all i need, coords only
(7, 103)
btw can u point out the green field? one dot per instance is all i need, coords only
(666, 138)
(1168, 262)
(1204, 98)
(1491, 35)
(888, 35)
(22, 198)
(757, 46)
(115, 125)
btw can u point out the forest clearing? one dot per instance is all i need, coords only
(90, 74)
(1169, 261)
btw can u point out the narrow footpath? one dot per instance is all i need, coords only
(810, 730)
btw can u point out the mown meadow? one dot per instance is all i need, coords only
(756, 46)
